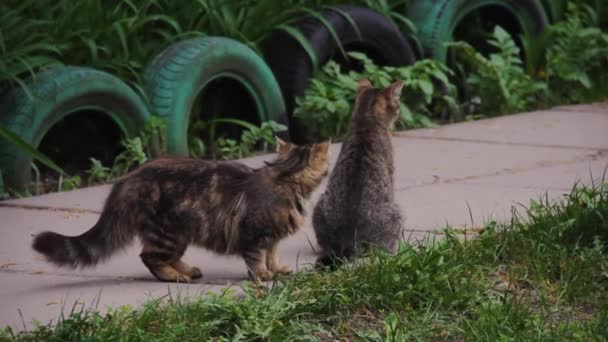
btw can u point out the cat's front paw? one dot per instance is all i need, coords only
(196, 273)
(282, 269)
(262, 275)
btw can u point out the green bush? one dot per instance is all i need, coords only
(499, 82)
(327, 104)
(577, 57)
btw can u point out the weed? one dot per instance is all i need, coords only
(498, 81)
(98, 173)
(327, 103)
(69, 183)
(252, 136)
(577, 56)
(133, 155)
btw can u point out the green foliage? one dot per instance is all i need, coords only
(499, 81)
(133, 155)
(153, 137)
(121, 36)
(577, 57)
(563, 244)
(137, 150)
(8, 135)
(327, 104)
(541, 277)
(252, 137)
(2, 191)
(69, 183)
(98, 173)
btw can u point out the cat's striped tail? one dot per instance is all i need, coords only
(98, 243)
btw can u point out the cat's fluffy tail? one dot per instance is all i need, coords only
(89, 248)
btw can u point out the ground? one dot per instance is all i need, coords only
(462, 174)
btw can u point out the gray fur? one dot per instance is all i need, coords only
(357, 209)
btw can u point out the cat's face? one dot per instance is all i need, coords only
(386, 101)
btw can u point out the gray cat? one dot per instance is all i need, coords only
(357, 209)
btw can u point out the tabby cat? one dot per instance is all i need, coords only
(227, 207)
(357, 209)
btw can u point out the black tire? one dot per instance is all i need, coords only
(175, 78)
(57, 93)
(379, 38)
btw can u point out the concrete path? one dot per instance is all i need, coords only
(486, 166)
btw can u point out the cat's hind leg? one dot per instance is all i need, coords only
(272, 260)
(159, 260)
(255, 258)
(388, 222)
(183, 268)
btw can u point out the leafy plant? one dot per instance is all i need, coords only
(229, 148)
(327, 103)
(499, 82)
(252, 136)
(152, 136)
(69, 183)
(98, 173)
(133, 155)
(13, 138)
(120, 36)
(578, 54)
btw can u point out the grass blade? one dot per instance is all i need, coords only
(329, 27)
(13, 138)
(297, 35)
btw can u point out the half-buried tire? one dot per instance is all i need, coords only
(176, 77)
(358, 29)
(56, 94)
(437, 20)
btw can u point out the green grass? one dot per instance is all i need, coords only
(541, 277)
(121, 36)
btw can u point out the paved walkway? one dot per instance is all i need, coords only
(486, 166)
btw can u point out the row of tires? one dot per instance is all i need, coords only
(175, 78)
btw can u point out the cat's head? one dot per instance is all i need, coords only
(308, 163)
(379, 104)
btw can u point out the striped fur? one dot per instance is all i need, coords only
(227, 207)
(357, 209)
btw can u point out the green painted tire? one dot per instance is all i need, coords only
(57, 93)
(175, 78)
(437, 19)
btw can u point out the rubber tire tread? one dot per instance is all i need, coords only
(176, 76)
(291, 64)
(437, 19)
(56, 93)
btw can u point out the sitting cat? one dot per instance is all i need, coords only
(227, 207)
(357, 209)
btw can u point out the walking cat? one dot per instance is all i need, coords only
(227, 207)
(357, 209)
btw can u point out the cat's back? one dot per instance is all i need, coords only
(187, 169)
(180, 177)
(365, 164)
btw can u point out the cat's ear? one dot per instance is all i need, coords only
(322, 148)
(283, 147)
(395, 90)
(362, 85)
